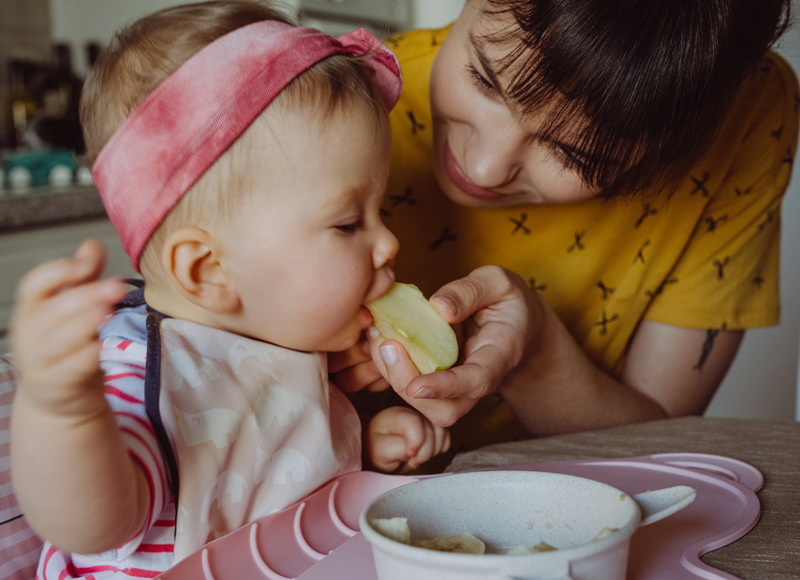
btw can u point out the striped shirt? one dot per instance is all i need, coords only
(19, 545)
(124, 347)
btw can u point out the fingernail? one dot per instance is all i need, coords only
(388, 354)
(423, 394)
(447, 302)
(373, 332)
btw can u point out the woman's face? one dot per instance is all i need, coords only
(486, 154)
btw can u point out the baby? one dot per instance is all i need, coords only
(243, 162)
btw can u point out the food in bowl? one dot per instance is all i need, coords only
(397, 529)
(393, 528)
(461, 544)
(507, 509)
(540, 547)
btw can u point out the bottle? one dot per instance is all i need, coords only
(92, 53)
(59, 90)
(22, 102)
(57, 94)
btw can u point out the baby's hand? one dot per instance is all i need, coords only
(400, 438)
(60, 306)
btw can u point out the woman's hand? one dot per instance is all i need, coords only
(498, 312)
(353, 370)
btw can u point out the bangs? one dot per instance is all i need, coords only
(566, 116)
(618, 82)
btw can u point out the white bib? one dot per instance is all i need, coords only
(254, 428)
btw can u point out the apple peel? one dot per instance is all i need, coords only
(405, 315)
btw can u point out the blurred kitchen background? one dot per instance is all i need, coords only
(48, 204)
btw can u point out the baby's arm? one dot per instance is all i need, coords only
(402, 438)
(72, 474)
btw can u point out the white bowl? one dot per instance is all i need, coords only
(508, 509)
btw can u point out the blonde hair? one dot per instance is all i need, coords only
(142, 55)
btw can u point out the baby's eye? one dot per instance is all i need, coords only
(351, 228)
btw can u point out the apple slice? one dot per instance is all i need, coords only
(405, 315)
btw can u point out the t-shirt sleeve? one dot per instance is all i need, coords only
(729, 271)
(123, 364)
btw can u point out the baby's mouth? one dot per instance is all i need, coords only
(384, 278)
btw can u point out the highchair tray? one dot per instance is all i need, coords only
(319, 538)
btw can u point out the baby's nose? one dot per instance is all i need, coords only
(386, 247)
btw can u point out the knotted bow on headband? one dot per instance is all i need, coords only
(197, 113)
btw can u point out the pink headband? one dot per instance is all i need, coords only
(195, 115)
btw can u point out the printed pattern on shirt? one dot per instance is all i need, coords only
(706, 257)
(19, 545)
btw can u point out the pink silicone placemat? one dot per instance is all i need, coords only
(318, 538)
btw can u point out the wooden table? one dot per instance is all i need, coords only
(770, 551)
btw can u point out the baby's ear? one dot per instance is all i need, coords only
(192, 259)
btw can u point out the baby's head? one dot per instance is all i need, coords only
(206, 125)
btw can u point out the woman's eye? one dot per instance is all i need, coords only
(351, 228)
(568, 160)
(480, 81)
(574, 164)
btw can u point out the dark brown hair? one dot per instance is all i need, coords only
(653, 78)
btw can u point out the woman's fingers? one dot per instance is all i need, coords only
(354, 370)
(484, 287)
(393, 362)
(358, 377)
(499, 314)
(356, 354)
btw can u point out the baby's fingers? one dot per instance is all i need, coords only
(441, 439)
(63, 325)
(423, 446)
(387, 452)
(52, 277)
(78, 312)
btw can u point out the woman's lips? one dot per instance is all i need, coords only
(457, 177)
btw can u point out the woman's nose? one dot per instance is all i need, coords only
(493, 153)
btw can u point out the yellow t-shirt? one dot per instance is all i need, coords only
(706, 258)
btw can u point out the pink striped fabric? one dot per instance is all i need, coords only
(150, 552)
(145, 556)
(19, 545)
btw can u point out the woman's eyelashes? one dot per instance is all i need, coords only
(568, 160)
(481, 82)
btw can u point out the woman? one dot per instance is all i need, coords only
(622, 166)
